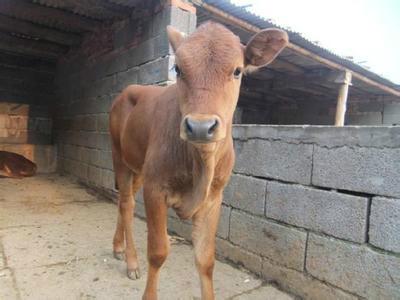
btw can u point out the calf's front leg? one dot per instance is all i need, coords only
(205, 224)
(157, 238)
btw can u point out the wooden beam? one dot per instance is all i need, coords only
(36, 31)
(47, 16)
(30, 47)
(345, 81)
(127, 3)
(282, 65)
(297, 49)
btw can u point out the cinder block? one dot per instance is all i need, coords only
(117, 62)
(107, 179)
(141, 54)
(368, 170)
(94, 175)
(102, 122)
(370, 118)
(301, 284)
(278, 160)
(281, 244)
(126, 78)
(354, 268)
(105, 160)
(89, 123)
(154, 71)
(87, 139)
(392, 108)
(328, 212)
(160, 21)
(384, 228)
(102, 104)
(239, 256)
(391, 119)
(246, 193)
(223, 226)
(93, 157)
(181, 20)
(104, 141)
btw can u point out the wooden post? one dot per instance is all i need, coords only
(344, 79)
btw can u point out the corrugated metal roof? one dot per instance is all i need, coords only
(298, 39)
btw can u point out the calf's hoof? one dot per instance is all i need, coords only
(120, 255)
(133, 274)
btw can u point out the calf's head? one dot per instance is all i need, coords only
(209, 65)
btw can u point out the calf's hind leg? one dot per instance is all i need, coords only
(128, 184)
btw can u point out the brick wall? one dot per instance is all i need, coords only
(314, 209)
(131, 52)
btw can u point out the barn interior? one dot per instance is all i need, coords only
(36, 38)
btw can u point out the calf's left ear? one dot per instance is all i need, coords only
(265, 46)
(175, 37)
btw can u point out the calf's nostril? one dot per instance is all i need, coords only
(189, 127)
(213, 127)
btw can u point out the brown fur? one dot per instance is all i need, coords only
(16, 166)
(150, 147)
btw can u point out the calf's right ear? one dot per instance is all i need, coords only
(265, 46)
(175, 37)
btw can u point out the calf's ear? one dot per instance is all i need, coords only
(175, 37)
(265, 46)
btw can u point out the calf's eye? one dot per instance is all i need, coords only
(177, 71)
(237, 72)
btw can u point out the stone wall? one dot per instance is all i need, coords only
(130, 52)
(314, 209)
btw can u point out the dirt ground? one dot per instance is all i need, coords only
(56, 243)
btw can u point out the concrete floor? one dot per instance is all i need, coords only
(55, 243)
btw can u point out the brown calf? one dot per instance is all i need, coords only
(176, 142)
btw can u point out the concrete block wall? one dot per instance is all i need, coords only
(26, 93)
(26, 80)
(135, 51)
(373, 112)
(26, 129)
(314, 209)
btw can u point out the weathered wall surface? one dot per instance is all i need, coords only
(374, 112)
(129, 52)
(315, 209)
(26, 94)
(26, 91)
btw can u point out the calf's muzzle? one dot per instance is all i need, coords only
(200, 129)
